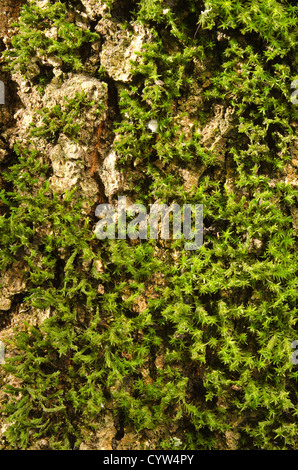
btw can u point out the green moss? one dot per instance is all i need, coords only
(215, 326)
(45, 32)
(63, 119)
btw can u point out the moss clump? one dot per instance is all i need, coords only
(62, 119)
(46, 32)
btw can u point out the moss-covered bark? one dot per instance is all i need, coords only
(131, 344)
